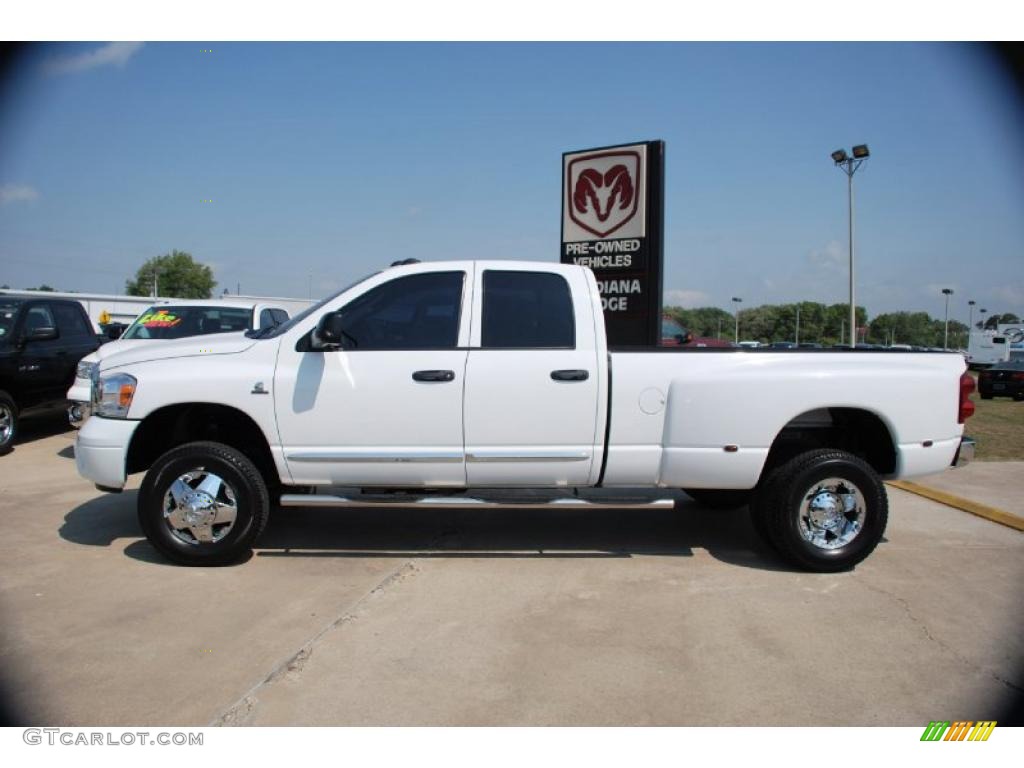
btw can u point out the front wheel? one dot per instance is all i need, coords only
(203, 503)
(8, 422)
(824, 510)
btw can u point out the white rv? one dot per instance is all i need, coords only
(987, 348)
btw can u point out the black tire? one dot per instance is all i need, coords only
(781, 503)
(1018, 396)
(719, 498)
(252, 503)
(8, 422)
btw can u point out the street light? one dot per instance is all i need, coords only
(982, 312)
(849, 166)
(738, 301)
(945, 332)
(970, 323)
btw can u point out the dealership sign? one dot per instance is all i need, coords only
(612, 222)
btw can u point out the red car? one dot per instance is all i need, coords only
(675, 335)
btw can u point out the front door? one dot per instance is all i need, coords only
(386, 410)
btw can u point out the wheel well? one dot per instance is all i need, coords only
(175, 425)
(855, 430)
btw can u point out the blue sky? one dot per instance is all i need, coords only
(330, 160)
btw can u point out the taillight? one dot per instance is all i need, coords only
(966, 404)
(1018, 377)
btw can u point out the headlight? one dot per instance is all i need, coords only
(85, 370)
(114, 395)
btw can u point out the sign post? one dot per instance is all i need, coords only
(613, 222)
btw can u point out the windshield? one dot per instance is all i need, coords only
(8, 312)
(277, 330)
(179, 322)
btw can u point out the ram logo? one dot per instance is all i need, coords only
(604, 190)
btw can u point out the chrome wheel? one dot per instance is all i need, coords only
(6, 424)
(832, 513)
(200, 507)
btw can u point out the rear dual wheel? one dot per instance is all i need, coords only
(824, 510)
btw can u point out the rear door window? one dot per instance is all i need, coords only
(527, 310)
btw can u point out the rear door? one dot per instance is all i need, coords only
(532, 380)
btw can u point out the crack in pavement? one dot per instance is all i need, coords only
(905, 605)
(240, 712)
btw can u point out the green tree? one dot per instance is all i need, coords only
(176, 274)
(44, 287)
(997, 319)
(703, 321)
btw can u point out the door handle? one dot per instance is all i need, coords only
(570, 375)
(433, 376)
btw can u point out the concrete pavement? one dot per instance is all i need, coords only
(496, 617)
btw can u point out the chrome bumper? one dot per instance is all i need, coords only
(965, 453)
(79, 413)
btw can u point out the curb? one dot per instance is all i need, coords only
(981, 510)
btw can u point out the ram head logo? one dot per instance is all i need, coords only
(603, 190)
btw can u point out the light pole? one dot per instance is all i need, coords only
(738, 301)
(945, 332)
(849, 166)
(982, 312)
(970, 323)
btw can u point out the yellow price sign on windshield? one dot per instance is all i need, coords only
(104, 317)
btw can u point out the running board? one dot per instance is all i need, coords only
(315, 500)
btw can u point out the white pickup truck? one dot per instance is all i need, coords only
(424, 381)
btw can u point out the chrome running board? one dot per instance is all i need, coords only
(316, 500)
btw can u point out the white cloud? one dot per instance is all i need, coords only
(1012, 294)
(115, 54)
(832, 257)
(17, 193)
(686, 299)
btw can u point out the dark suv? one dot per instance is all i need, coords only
(41, 342)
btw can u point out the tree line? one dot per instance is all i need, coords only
(827, 324)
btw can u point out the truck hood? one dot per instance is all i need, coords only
(145, 350)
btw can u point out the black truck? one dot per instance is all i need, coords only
(41, 342)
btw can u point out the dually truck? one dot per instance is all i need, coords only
(449, 383)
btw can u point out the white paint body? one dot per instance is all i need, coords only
(351, 417)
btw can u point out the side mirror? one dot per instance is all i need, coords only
(45, 333)
(329, 333)
(113, 332)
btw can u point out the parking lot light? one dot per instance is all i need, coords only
(945, 332)
(738, 301)
(849, 166)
